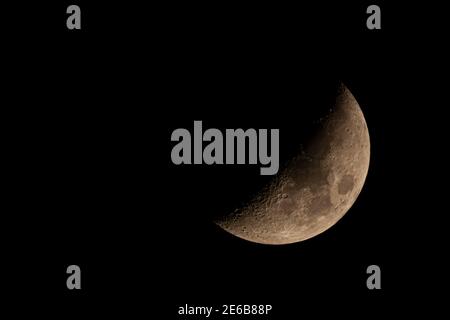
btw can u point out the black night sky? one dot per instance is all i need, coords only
(92, 181)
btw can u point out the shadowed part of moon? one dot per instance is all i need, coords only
(316, 188)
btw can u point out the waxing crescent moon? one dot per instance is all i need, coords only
(316, 188)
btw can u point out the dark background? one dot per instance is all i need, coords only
(88, 138)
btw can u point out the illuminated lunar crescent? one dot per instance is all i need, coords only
(316, 188)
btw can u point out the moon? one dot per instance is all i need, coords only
(316, 187)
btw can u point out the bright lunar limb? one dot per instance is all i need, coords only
(317, 187)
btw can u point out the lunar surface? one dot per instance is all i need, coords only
(316, 188)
